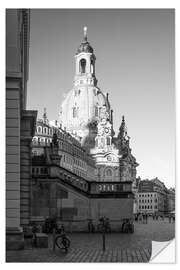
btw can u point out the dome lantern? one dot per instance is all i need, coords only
(84, 46)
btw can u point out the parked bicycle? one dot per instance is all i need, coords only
(61, 240)
(104, 225)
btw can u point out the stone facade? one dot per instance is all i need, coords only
(17, 126)
(96, 170)
(75, 158)
(152, 196)
(170, 200)
(58, 193)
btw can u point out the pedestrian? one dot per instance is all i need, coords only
(90, 226)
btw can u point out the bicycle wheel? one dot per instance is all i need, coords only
(59, 242)
(62, 242)
(66, 242)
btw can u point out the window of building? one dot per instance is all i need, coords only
(108, 141)
(83, 65)
(108, 172)
(35, 153)
(39, 129)
(102, 143)
(92, 66)
(96, 111)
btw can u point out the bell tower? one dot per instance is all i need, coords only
(85, 63)
(83, 105)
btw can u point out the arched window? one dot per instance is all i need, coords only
(92, 66)
(39, 129)
(109, 172)
(108, 141)
(83, 65)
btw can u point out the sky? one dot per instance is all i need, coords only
(134, 63)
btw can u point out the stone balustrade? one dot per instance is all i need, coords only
(82, 184)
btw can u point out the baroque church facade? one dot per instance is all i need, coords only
(80, 170)
(87, 115)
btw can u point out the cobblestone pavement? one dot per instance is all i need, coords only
(86, 247)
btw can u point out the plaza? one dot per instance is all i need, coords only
(86, 247)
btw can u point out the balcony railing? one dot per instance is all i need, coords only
(90, 188)
(110, 187)
(36, 143)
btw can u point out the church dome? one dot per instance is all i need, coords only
(85, 47)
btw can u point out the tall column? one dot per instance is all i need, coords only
(14, 235)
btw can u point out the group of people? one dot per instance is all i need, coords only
(103, 226)
(143, 217)
(171, 218)
(127, 226)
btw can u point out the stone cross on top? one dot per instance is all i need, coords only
(85, 33)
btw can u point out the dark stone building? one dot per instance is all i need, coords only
(20, 127)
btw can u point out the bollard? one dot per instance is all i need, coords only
(54, 237)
